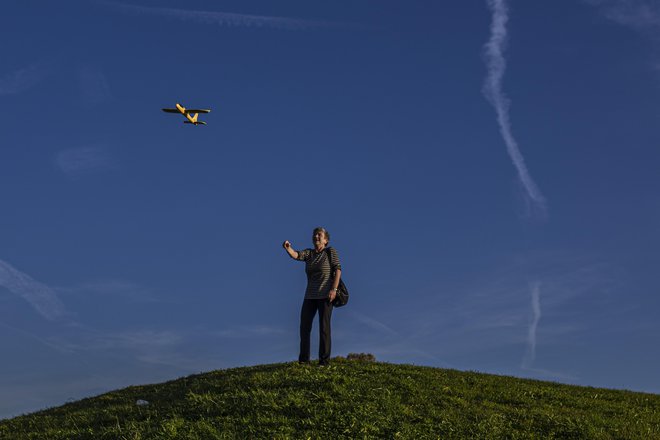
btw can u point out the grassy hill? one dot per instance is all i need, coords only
(349, 399)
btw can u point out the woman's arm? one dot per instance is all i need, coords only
(335, 285)
(289, 250)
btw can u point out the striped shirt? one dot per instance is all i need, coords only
(319, 271)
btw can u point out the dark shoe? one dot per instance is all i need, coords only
(324, 363)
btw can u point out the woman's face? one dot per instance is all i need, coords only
(319, 239)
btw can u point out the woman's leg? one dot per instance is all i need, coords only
(307, 313)
(325, 342)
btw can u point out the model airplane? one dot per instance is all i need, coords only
(187, 113)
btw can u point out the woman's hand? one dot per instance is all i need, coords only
(289, 250)
(332, 295)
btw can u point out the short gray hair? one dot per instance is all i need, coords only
(321, 229)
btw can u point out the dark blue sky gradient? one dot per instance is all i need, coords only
(156, 245)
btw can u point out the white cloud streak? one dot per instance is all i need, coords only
(126, 290)
(22, 79)
(638, 14)
(41, 297)
(227, 19)
(492, 89)
(536, 317)
(29, 335)
(77, 161)
(140, 340)
(374, 324)
(94, 86)
(249, 332)
(488, 320)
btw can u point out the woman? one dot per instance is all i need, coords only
(321, 263)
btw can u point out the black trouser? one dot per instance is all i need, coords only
(307, 313)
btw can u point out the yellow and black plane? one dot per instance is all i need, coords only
(187, 112)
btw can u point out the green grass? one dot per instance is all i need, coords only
(349, 399)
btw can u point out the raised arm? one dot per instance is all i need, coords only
(289, 250)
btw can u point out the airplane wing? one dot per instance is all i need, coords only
(193, 110)
(171, 110)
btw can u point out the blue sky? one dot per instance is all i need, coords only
(488, 171)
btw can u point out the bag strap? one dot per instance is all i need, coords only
(329, 255)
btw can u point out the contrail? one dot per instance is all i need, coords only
(536, 316)
(492, 89)
(41, 297)
(220, 18)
